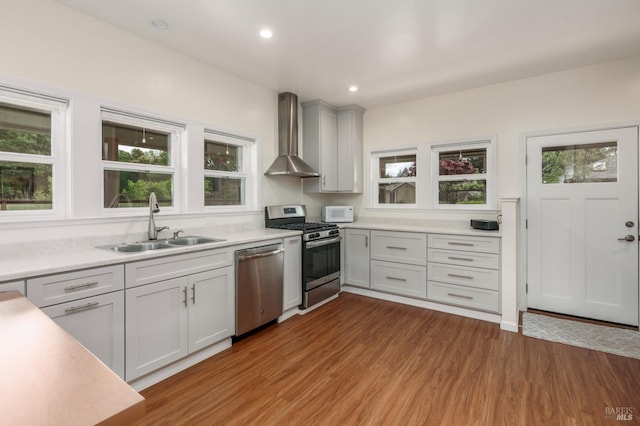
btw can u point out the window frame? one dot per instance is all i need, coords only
(428, 178)
(248, 170)
(489, 176)
(376, 180)
(177, 134)
(59, 111)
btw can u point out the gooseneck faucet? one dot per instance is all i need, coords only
(154, 208)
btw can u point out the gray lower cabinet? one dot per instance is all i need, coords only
(464, 271)
(292, 291)
(89, 305)
(96, 322)
(170, 319)
(399, 263)
(13, 285)
(460, 270)
(356, 264)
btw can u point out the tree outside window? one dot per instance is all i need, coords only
(25, 135)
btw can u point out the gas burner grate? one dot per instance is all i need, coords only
(307, 226)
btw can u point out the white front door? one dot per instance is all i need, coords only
(582, 224)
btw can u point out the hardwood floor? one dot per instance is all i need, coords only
(359, 360)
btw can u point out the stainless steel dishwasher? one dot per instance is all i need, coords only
(259, 286)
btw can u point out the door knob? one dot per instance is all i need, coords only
(627, 238)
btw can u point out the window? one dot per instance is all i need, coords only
(138, 157)
(461, 175)
(32, 135)
(589, 163)
(228, 176)
(396, 177)
(452, 176)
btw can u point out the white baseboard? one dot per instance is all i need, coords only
(509, 326)
(484, 316)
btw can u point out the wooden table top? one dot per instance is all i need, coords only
(47, 377)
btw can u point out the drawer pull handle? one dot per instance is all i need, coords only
(396, 279)
(466, 259)
(453, 243)
(80, 286)
(461, 296)
(185, 296)
(396, 248)
(81, 308)
(193, 289)
(460, 276)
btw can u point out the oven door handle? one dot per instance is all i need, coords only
(320, 243)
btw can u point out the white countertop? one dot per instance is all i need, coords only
(54, 257)
(433, 229)
(49, 257)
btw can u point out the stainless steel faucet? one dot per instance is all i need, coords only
(154, 208)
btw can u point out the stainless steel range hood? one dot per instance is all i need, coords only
(288, 163)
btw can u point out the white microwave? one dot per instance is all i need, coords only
(337, 214)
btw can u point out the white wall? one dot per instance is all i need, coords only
(590, 96)
(51, 45)
(44, 42)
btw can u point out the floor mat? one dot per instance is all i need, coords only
(613, 340)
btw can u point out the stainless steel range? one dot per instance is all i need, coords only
(320, 253)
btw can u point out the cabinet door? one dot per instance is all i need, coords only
(211, 307)
(350, 148)
(292, 272)
(98, 324)
(156, 326)
(328, 151)
(356, 266)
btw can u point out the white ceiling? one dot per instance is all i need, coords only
(393, 50)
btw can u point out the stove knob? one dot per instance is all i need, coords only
(334, 232)
(314, 235)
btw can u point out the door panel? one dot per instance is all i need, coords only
(582, 189)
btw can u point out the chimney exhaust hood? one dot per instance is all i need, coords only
(288, 163)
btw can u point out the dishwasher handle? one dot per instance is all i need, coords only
(264, 254)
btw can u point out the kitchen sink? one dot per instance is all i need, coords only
(192, 241)
(138, 247)
(160, 245)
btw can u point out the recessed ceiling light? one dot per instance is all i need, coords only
(353, 88)
(266, 33)
(159, 24)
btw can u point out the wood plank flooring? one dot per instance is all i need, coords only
(358, 360)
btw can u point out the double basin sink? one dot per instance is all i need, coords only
(161, 244)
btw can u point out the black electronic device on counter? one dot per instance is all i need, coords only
(484, 225)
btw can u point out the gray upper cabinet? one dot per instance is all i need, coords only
(332, 144)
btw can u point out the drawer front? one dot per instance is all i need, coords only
(465, 243)
(485, 300)
(406, 280)
(488, 279)
(164, 268)
(403, 247)
(464, 258)
(68, 286)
